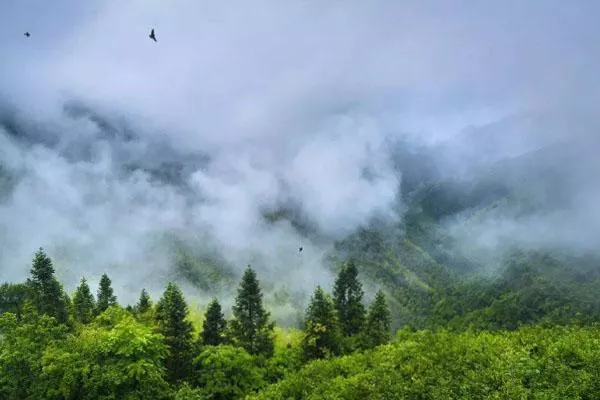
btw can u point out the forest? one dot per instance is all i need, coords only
(518, 336)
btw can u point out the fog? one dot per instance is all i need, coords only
(261, 105)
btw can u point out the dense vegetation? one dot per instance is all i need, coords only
(529, 332)
(531, 363)
(56, 346)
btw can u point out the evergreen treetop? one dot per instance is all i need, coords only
(378, 326)
(322, 336)
(347, 297)
(214, 325)
(106, 297)
(144, 303)
(171, 315)
(83, 303)
(47, 292)
(250, 326)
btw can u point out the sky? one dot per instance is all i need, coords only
(288, 100)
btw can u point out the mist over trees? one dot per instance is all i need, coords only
(66, 347)
(96, 347)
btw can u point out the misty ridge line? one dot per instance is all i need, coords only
(328, 119)
(76, 152)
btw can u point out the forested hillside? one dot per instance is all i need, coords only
(529, 331)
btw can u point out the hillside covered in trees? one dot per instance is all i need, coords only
(521, 335)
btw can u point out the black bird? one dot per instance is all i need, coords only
(300, 250)
(152, 35)
(27, 34)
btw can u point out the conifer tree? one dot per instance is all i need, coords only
(171, 314)
(322, 336)
(250, 327)
(144, 303)
(377, 329)
(106, 297)
(347, 297)
(213, 328)
(83, 303)
(47, 293)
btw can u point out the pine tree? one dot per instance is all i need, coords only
(83, 303)
(322, 335)
(47, 293)
(213, 326)
(171, 314)
(144, 303)
(250, 327)
(377, 329)
(347, 297)
(106, 297)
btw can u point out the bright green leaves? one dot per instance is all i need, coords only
(114, 358)
(227, 372)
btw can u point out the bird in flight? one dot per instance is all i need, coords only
(152, 36)
(300, 249)
(27, 34)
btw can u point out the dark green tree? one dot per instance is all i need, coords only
(144, 303)
(347, 297)
(171, 316)
(47, 293)
(250, 327)
(83, 303)
(106, 296)
(214, 325)
(322, 335)
(377, 329)
(13, 297)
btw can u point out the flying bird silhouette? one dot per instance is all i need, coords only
(152, 36)
(27, 34)
(300, 250)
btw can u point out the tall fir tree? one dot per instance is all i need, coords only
(83, 303)
(347, 297)
(250, 327)
(144, 304)
(171, 316)
(106, 296)
(322, 335)
(213, 328)
(47, 293)
(377, 329)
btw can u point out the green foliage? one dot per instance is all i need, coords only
(213, 332)
(106, 297)
(531, 288)
(347, 297)
(533, 362)
(171, 316)
(22, 344)
(227, 372)
(13, 297)
(322, 334)
(47, 292)
(83, 303)
(144, 304)
(113, 358)
(250, 327)
(482, 343)
(377, 330)
(284, 362)
(187, 392)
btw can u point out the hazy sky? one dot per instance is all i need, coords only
(300, 95)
